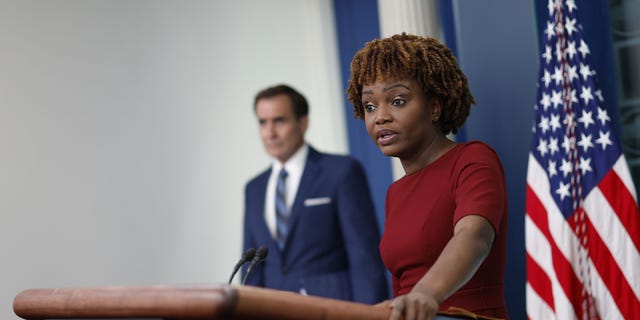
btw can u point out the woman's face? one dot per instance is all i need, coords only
(399, 117)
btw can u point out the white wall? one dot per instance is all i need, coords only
(127, 132)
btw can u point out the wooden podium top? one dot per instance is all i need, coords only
(186, 302)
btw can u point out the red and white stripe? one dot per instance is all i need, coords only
(612, 221)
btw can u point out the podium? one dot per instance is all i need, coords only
(186, 302)
(213, 302)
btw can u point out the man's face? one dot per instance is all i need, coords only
(281, 133)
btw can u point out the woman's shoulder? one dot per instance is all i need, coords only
(476, 148)
(476, 152)
(476, 145)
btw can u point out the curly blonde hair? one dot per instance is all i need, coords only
(424, 59)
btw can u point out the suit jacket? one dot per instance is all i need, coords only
(332, 246)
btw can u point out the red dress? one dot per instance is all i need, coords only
(421, 211)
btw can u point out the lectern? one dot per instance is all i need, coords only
(185, 302)
(189, 302)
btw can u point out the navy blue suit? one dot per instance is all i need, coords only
(332, 245)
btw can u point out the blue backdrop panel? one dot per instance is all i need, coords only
(357, 23)
(497, 49)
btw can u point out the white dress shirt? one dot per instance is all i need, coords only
(294, 167)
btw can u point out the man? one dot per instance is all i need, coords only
(316, 216)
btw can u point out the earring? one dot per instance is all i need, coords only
(435, 119)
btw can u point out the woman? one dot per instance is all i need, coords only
(446, 220)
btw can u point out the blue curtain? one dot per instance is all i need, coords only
(357, 23)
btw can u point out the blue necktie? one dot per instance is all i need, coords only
(282, 214)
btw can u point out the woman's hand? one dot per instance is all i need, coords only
(414, 306)
(384, 304)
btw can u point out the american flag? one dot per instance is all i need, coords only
(582, 224)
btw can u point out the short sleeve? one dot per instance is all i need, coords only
(480, 187)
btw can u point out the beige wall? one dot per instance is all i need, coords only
(127, 132)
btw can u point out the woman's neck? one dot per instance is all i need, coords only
(438, 146)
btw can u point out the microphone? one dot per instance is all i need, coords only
(261, 253)
(246, 257)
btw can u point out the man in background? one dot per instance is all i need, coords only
(312, 210)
